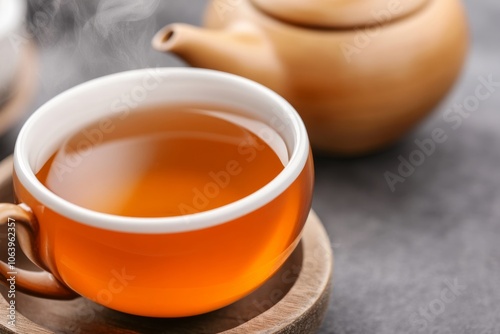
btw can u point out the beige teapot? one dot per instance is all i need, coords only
(361, 73)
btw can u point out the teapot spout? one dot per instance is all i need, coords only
(241, 50)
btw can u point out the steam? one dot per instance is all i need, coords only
(111, 12)
(118, 35)
(82, 40)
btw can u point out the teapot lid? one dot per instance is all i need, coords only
(338, 13)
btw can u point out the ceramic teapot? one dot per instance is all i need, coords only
(361, 73)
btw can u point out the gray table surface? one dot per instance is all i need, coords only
(422, 259)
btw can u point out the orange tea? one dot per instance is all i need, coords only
(164, 161)
(172, 161)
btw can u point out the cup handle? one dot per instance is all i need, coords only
(39, 284)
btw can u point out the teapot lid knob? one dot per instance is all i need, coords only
(338, 13)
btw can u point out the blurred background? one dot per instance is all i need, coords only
(396, 247)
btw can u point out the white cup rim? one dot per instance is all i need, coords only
(190, 222)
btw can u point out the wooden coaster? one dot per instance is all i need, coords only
(12, 110)
(293, 301)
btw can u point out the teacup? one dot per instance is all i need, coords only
(160, 267)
